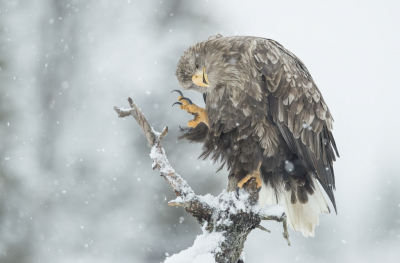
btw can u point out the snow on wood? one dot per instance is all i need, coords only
(203, 250)
(227, 219)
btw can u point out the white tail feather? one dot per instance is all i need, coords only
(301, 217)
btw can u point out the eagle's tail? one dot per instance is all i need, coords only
(301, 217)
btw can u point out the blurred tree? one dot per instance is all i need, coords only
(56, 71)
(15, 235)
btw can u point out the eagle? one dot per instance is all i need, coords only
(264, 118)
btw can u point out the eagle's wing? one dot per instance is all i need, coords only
(298, 109)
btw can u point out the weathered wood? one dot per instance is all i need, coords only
(233, 216)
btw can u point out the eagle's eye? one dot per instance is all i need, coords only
(197, 66)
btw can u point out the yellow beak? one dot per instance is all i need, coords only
(200, 78)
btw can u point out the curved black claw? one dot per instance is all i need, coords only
(258, 189)
(180, 92)
(185, 130)
(237, 192)
(188, 100)
(179, 103)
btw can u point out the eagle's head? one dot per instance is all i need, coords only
(192, 70)
(204, 65)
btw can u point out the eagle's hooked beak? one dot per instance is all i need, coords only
(200, 78)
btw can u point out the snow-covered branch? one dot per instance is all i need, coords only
(185, 195)
(226, 220)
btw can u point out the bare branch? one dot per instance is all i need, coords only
(285, 232)
(172, 203)
(263, 228)
(163, 133)
(231, 217)
(282, 219)
(135, 112)
(160, 161)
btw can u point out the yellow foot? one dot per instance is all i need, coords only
(255, 174)
(200, 114)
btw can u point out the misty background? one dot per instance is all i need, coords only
(76, 183)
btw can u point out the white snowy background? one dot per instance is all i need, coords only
(76, 183)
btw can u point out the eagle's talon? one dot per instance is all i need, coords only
(256, 175)
(200, 114)
(179, 103)
(180, 92)
(187, 100)
(237, 192)
(185, 130)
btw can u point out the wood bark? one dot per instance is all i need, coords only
(241, 222)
